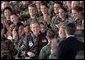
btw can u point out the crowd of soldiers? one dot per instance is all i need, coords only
(34, 29)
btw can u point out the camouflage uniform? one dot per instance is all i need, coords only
(45, 52)
(78, 33)
(15, 7)
(8, 50)
(30, 19)
(58, 21)
(54, 19)
(51, 9)
(46, 23)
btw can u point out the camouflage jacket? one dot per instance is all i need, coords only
(8, 50)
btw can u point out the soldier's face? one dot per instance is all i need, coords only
(68, 3)
(11, 27)
(62, 33)
(32, 11)
(42, 27)
(75, 3)
(24, 2)
(44, 9)
(38, 3)
(21, 32)
(4, 5)
(35, 28)
(7, 13)
(26, 29)
(13, 18)
(75, 14)
(62, 13)
(56, 8)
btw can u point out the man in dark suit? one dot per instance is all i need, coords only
(69, 47)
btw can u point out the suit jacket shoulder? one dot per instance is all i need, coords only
(69, 47)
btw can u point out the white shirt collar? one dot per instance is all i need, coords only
(70, 36)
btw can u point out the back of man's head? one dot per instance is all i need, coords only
(50, 34)
(70, 28)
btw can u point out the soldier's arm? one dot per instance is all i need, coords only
(43, 54)
(12, 49)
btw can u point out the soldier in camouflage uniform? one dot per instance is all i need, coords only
(14, 5)
(46, 22)
(79, 21)
(33, 13)
(46, 50)
(8, 50)
(56, 6)
(24, 9)
(46, 18)
(62, 19)
(51, 8)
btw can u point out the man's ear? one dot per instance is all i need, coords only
(80, 12)
(46, 37)
(65, 31)
(65, 13)
(30, 27)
